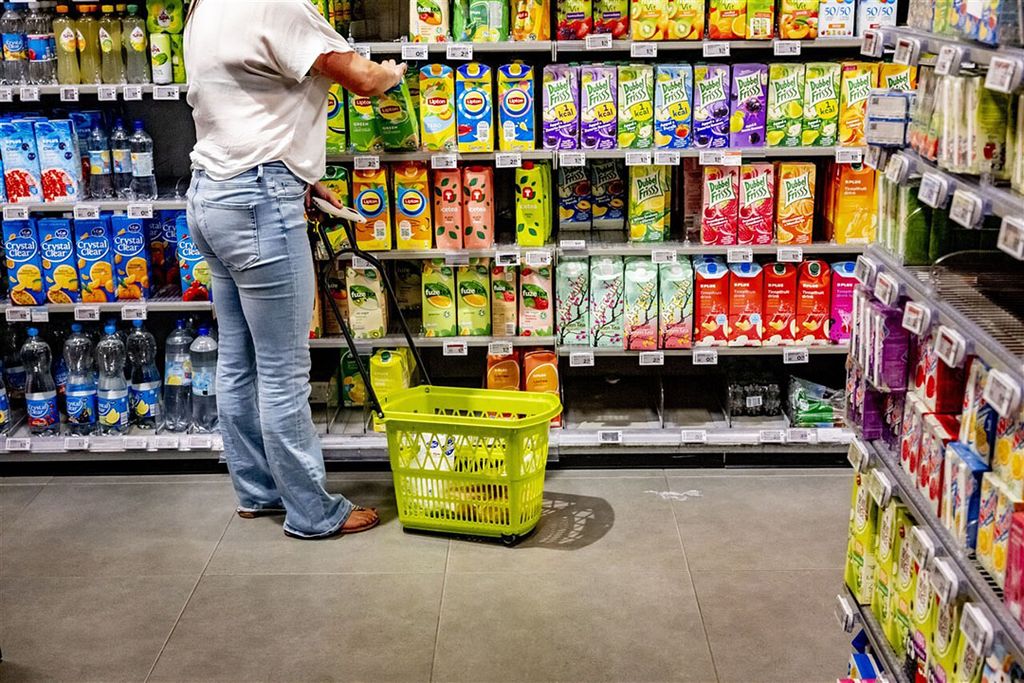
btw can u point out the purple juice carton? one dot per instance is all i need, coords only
(711, 105)
(748, 103)
(891, 349)
(598, 111)
(843, 284)
(561, 113)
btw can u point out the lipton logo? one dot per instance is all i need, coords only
(516, 101)
(748, 86)
(333, 104)
(474, 102)
(711, 90)
(674, 90)
(858, 88)
(756, 190)
(390, 110)
(369, 203)
(413, 203)
(648, 187)
(795, 189)
(436, 101)
(720, 191)
(362, 103)
(820, 89)
(786, 90)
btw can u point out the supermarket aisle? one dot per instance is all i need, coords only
(634, 575)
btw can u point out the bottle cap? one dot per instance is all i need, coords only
(203, 330)
(180, 324)
(62, 9)
(138, 125)
(111, 328)
(107, 8)
(32, 332)
(132, 9)
(137, 324)
(76, 327)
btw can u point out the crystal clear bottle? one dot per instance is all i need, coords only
(101, 183)
(204, 382)
(42, 61)
(81, 391)
(112, 389)
(144, 391)
(178, 379)
(12, 33)
(40, 389)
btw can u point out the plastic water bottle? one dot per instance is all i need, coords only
(112, 389)
(111, 62)
(81, 391)
(121, 153)
(143, 179)
(204, 382)
(66, 36)
(42, 60)
(12, 29)
(40, 390)
(88, 30)
(178, 379)
(144, 391)
(14, 369)
(59, 368)
(136, 47)
(5, 405)
(101, 183)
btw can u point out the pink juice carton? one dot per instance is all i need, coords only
(195, 272)
(641, 304)
(812, 299)
(720, 212)
(749, 104)
(711, 105)
(21, 161)
(448, 209)
(561, 107)
(756, 224)
(598, 111)
(843, 283)
(478, 207)
(60, 165)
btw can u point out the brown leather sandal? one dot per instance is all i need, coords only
(342, 530)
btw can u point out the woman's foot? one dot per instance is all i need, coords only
(360, 519)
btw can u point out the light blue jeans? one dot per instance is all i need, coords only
(252, 231)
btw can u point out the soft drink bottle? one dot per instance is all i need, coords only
(144, 392)
(143, 178)
(178, 379)
(42, 62)
(66, 36)
(12, 30)
(204, 382)
(88, 32)
(5, 405)
(121, 153)
(101, 183)
(81, 391)
(40, 390)
(14, 369)
(112, 389)
(136, 47)
(111, 62)
(55, 339)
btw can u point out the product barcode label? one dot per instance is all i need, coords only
(887, 289)
(15, 213)
(414, 52)
(165, 443)
(508, 160)
(772, 436)
(1002, 392)
(638, 158)
(934, 189)
(664, 256)
(789, 254)
(786, 48)
(359, 263)
(879, 487)
(710, 157)
(499, 348)
(740, 255)
(716, 49)
(922, 546)
(598, 41)
(1011, 237)
(871, 45)
(755, 401)
(40, 315)
(874, 157)
(611, 437)
(459, 51)
(17, 315)
(948, 61)
(140, 211)
(798, 435)
(444, 161)
(506, 258)
(166, 92)
(849, 155)
(570, 159)
(362, 50)
(916, 317)
(795, 354)
(76, 443)
(845, 615)
(537, 258)
(135, 443)
(456, 258)
(581, 359)
(6, 94)
(864, 270)
(1004, 74)
(29, 93)
(510, 329)
(132, 93)
(69, 93)
(907, 50)
(133, 312)
(107, 93)
(694, 436)
(652, 358)
(896, 169)
(666, 157)
(942, 579)
(18, 444)
(86, 212)
(732, 158)
(455, 348)
(950, 346)
(705, 356)
(966, 208)
(643, 50)
(857, 455)
(200, 442)
(366, 162)
(572, 245)
(831, 434)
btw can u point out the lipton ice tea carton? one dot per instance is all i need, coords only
(473, 308)
(478, 207)
(798, 19)
(437, 108)
(711, 105)
(779, 309)
(748, 102)
(794, 202)
(673, 109)
(516, 129)
(531, 20)
(836, 18)
(473, 108)
(131, 263)
(504, 301)
(843, 284)
(598, 111)
(675, 304)
(575, 19)
(685, 20)
(412, 207)
(746, 299)
(785, 105)
(24, 263)
(649, 19)
(727, 20)
(897, 77)
(636, 106)
(607, 307)
(813, 293)
(854, 211)
(337, 139)
(363, 126)
(641, 304)
(760, 19)
(608, 194)
(540, 374)
(533, 219)
(448, 212)
(574, 197)
(821, 104)
(612, 16)
(720, 212)
(650, 203)
(536, 313)
(367, 307)
(858, 78)
(710, 302)
(57, 248)
(756, 222)
(572, 301)
(439, 316)
(370, 189)
(428, 21)
(95, 251)
(561, 111)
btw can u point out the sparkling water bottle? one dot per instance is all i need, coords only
(136, 47)
(40, 390)
(81, 391)
(14, 369)
(101, 183)
(143, 179)
(121, 153)
(144, 394)
(42, 59)
(204, 382)
(178, 379)
(55, 339)
(111, 61)
(5, 405)
(12, 30)
(112, 390)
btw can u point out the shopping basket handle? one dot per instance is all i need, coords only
(343, 212)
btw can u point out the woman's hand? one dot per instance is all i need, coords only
(322, 191)
(358, 74)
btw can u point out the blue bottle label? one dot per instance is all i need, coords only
(14, 47)
(5, 408)
(81, 400)
(204, 383)
(113, 408)
(39, 47)
(16, 377)
(42, 410)
(178, 372)
(145, 400)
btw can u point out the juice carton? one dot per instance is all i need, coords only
(875, 14)
(836, 18)
(336, 180)
(979, 419)
(987, 513)
(572, 300)
(641, 304)
(648, 19)
(607, 306)
(945, 637)
(962, 497)
(574, 200)
(478, 207)
(533, 217)
(913, 592)
(886, 553)
(798, 19)
(480, 21)
(1013, 590)
(448, 209)
(686, 20)
(760, 19)
(779, 308)
(437, 108)
(711, 302)
(794, 208)
(363, 126)
(473, 310)
(561, 112)
(439, 317)
(598, 116)
(727, 20)
(711, 105)
(940, 386)
(902, 573)
(673, 110)
(131, 263)
(720, 212)
(504, 290)
(1007, 505)
(675, 304)
(195, 272)
(412, 79)
(939, 430)
(897, 77)
(353, 389)
(60, 165)
(95, 251)
(756, 221)
(412, 208)
(503, 372)
(854, 209)
(367, 307)
(636, 106)
(812, 303)
(748, 101)
(693, 197)
(515, 107)
(1008, 456)
(821, 104)
(428, 21)
(390, 371)
(650, 203)
(337, 138)
(612, 16)
(24, 263)
(746, 301)
(575, 19)
(608, 194)
(473, 108)
(540, 374)
(536, 318)
(860, 550)
(785, 105)
(21, 161)
(843, 283)
(531, 20)
(57, 247)
(370, 189)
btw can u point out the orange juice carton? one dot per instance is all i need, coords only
(794, 202)
(24, 263)
(473, 308)
(428, 21)
(686, 20)
(979, 420)
(412, 206)
(711, 105)
(641, 304)
(473, 115)
(779, 310)
(650, 203)
(798, 19)
(560, 114)
(711, 302)
(858, 78)
(503, 372)
(516, 129)
(437, 108)
(536, 314)
(760, 19)
(337, 139)
(363, 126)
(649, 19)
(574, 198)
(478, 207)
(897, 77)
(854, 209)
(572, 300)
(606, 301)
(843, 284)
(131, 262)
(1008, 456)
(987, 512)
(531, 20)
(749, 100)
(575, 19)
(720, 212)
(636, 106)
(57, 247)
(540, 374)
(812, 303)
(785, 105)
(727, 20)
(95, 250)
(504, 298)
(370, 189)
(756, 221)
(612, 16)
(598, 110)
(836, 18)
(746, 302)
(448, 208)
(608, 194)
(675, 304)
(821, 104)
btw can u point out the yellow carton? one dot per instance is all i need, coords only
(650, 203)
(439, 319)
(649, 19)
(897, 77)
(473, 309)
(858, 78)
(437, 108)
(367, 311)
(370, 189)
(412, 206)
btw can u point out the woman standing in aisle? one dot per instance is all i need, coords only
(259, 74)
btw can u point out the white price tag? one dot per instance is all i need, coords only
(107, 93)
(1002, 393)
(871, 44)
(18, 315)
(845, 614)
(572, 245)
(887, 289)
(798, 435)
(879, 487)
(638, 158)
(133, 312)
(200, 442)
(1004, 74)
(69, 93)
(6, 93)
(666, 157)
(710, 157)
(506, 258)
(132, 93)
(19, 444)
(976, 627)
(455, 348)
(896, 169)
(950, 346)
(864, 270)
(858, 455)
(732, 158)
(140, 211)
(165, 442)
(359, 263)
(166, 92)
(444, 161)
(537, 258)
(652, 358)
(934, 189)
(76, 443)
(739, 255)
(875, 157)
(786, 48)
(643, 50)
(598, 41)
(15, 213)
(907, 51)
(459, 51)
(694, 436)
(705, 356)
(789, 254)
(943, 579)
(40, 315)
(136, 443)
(966, 208)
(499, 348)
(831, 434)
(755, 401)
(1011, 237)
(29, 93)
(611, 437)
(948, 61)
(366, 162)
(716, 49)
(508, 160)
(922, 546)
(362, 50)
(916, 317)
(795, 354)
(86, 212)
(570, 159)
(581, 359)
(456, 258)
(849, 155)
(414, 52)
(87, 313)
(772, 436)
(664, 256)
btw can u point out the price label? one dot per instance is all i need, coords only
(710, 157)
(907, 51)
(537, 258)
(831, 434)
(366, 162)
(849, 155)
(1004, 74)
(950, 346)
(108, 93)
(76, 443)
(772, 436)
(638, 158)
(871, 44)
(508, 160)
(572, 245)
(459, 51)
(359, 263)
(896, 169)
(165, 443)
(694, 436)
(732, 158)
(948, 61)
(499, 348)
(976, 627)
(789, 254)
(136, 443)
(598, 41)
(887, 289)
(6, 94)
(133, 312)
(864, 270)
(610, 437)
(664, 256)
(1011, 237)
(40, 315)
(934, 190)
(795, 354)
(200, 442)
(705, 356)
(15, 213)
(943, 579)
(571, 159)
(86, 212)
(875, 157)
(166, 92)
(581, 359)
(845, 614)
(18, 315)
(966, 208)
(132, 93)
(506, 258)
(455, 348)
(362, 50)
(879, 487)
(755, 401)
(1002, 393)
(140, 211)
(643, 50)
(29, 93)
(786, 48)
(456, 258)
(916, 317)
(648, 358)
(739, 255)
(796, 435)
(414, 52)
(69, 93)
(858, 455)
(666, 157)
(19, 444)
(922, 546)
(716, 49)
(444, 161)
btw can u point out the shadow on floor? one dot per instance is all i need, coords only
(571, 522)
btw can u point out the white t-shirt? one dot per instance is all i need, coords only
(252, 95)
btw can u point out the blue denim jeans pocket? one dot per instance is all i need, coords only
(231, 230)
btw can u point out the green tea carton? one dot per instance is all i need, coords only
(363, 132)
(367, 310)
(946, 609)
(860, 550)
(572, 300)
(353, 388)
(536, 314)
(886, 553)
(641, 304)
(636, 106)
(911, 573)
(337, 139)
(439, 316)
(607, 306)
(474, 305)
(336, 180)
(504, 298)
(533, 204)
(675, 304)
(785, 105)
(650, 203)
(399, 129)
(821, 104)
(412, 79)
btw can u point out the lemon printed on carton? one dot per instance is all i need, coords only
(785, 105)
(673, 110)
(94, 248)
(437, 108)
(57, 244)
(821, 105)
(650, 203)
(24, 265)
(131, 263)
(473, 310)
(439, 315)
(636, 106)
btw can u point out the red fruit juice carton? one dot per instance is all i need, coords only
(720, 206)
(779, 309)
(940, 386)
(448, 213)
(812, 303)
(756, 222)
(911, 430)
(746, 299)
(711, 302)
(843, 283)
(938, 431)
(1013, 590)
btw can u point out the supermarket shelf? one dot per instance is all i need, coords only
(468, 157)
(501, 46)
(94, 89)
(598, 244)
(573, 440)
(455, 256)
(398, 340)
(933, 44)
(823, 350)
(136, 445)
(748, 153)
(103, 204)
(698, 45)
(159, 304)
(1000, 201)
(880, 647)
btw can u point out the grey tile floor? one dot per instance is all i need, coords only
(639, 575)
